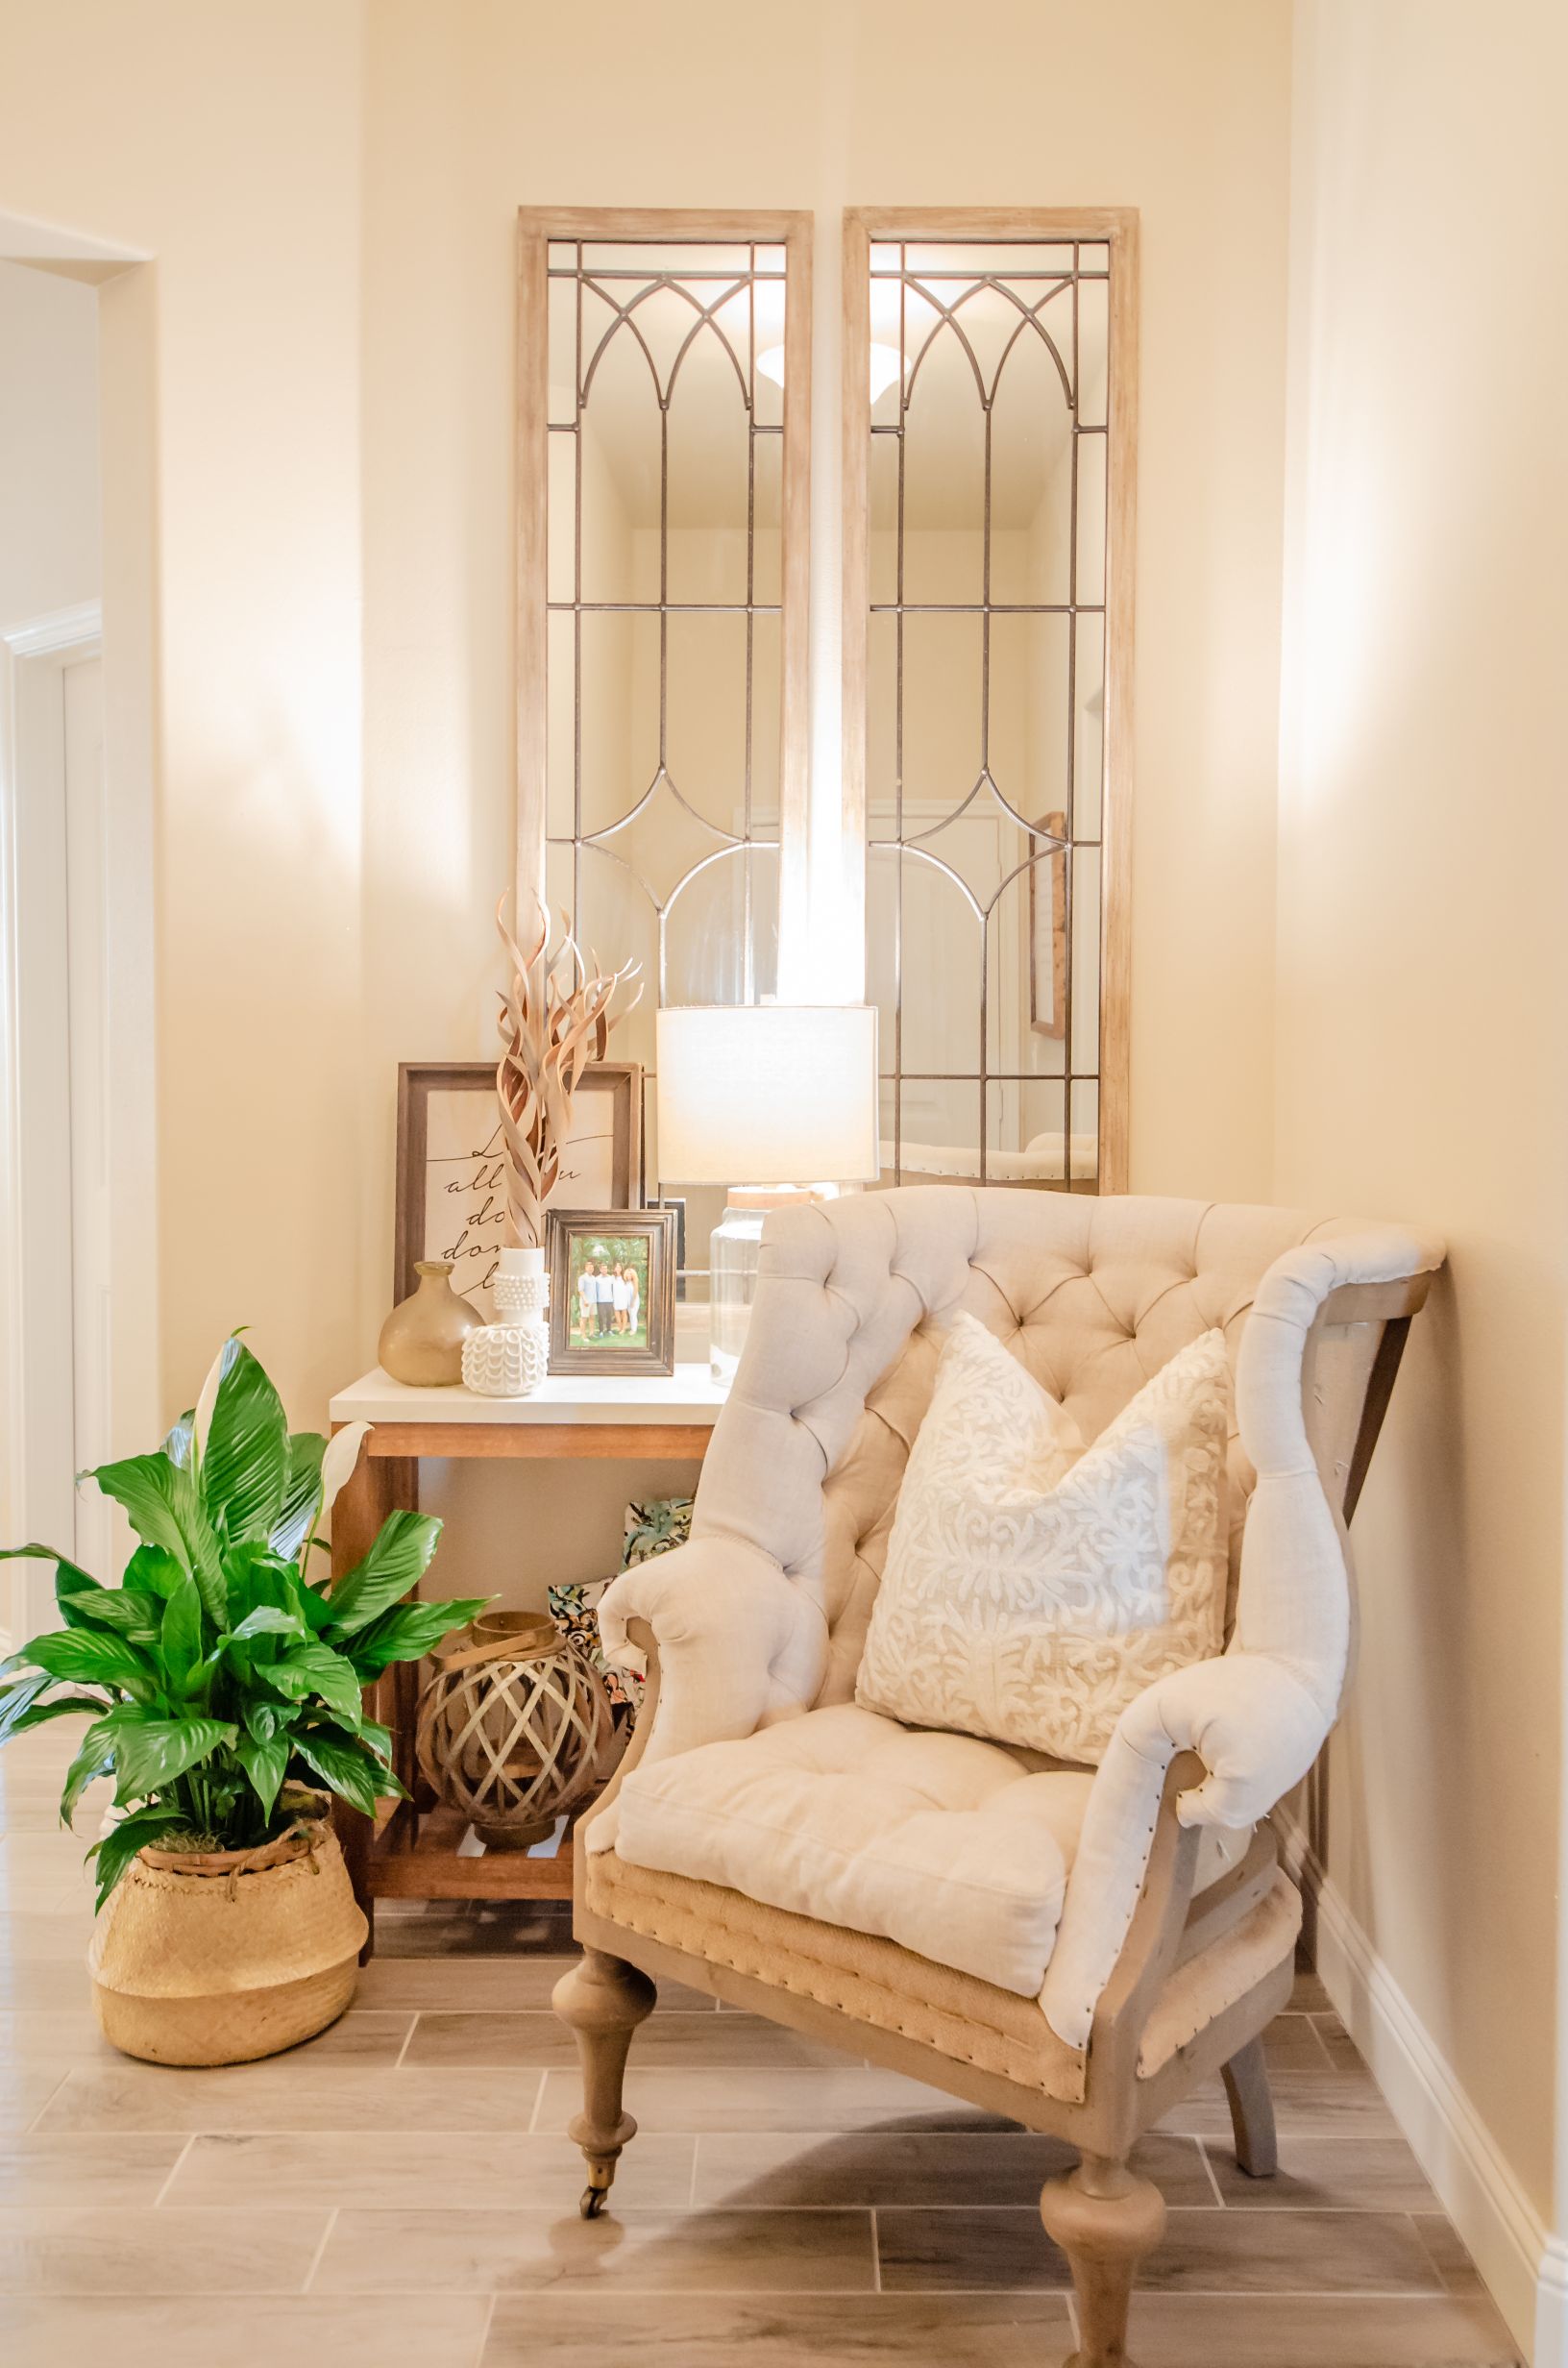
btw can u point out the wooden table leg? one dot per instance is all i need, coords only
(363, 1503)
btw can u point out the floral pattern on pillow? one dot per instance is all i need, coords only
(1035, 1586)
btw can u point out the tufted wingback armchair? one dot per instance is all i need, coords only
(1163, 1929)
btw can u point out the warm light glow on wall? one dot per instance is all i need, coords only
(885, 367)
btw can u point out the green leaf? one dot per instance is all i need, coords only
(164, 1510)
(69, 1577)
(266, 1621)
(345, 1769)
(153, 1571)
(265, 1719)
(95, 1757)
(407, 1632)
(377, 1739)
(116, 1848)
(176, 1444)
(95, 1657)
(180, 1640)
(150, 1753)
(63, 1706)
(18, 1698)
(301, 1494)
(316, 1671)
(259, 1576)
(265, 1765)
(129, 1611)
(245, 1459)
(396, 1563)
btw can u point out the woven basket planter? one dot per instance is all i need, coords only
(514, 1728)
(223, 1956)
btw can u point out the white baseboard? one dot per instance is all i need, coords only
(1525, 2266)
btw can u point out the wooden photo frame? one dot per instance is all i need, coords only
(1048, 930)
(612, 1289)
(450, 1197)
(677, 1202)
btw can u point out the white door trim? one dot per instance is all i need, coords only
(38, 1387)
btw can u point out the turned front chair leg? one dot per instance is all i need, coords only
(1104, 2218)
(603, 1998)
(1252, 2111)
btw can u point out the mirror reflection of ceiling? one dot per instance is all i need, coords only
(687, 343)
(1003, 341)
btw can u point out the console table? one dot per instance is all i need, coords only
(413, 1854)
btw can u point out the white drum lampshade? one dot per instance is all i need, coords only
(765, 1095)
(768, 1094)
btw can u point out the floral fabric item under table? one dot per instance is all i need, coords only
(656, 1527)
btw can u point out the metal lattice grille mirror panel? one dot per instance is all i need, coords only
(987, 583)
(669, 621)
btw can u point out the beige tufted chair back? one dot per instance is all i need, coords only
(1091, 1295)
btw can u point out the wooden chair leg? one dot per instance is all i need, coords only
(1252, 2111)
(1104, 2218)
(603, 1998)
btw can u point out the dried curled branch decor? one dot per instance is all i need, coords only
(555, 1017)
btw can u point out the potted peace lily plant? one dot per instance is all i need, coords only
(224, 1687)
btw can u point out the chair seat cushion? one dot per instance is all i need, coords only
(955, 1849)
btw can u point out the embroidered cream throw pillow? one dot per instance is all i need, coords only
(1034, 1585)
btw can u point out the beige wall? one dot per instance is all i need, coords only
(1423, 966)
(327, 193)
(225, 143)
(1182, 112)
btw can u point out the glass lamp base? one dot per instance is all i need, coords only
(733, 1253)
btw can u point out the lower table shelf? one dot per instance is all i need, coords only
(429, 1865)
(665, 1419)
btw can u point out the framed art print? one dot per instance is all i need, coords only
(451, 1193)
(612, 1289)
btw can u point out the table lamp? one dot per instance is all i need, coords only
(770, 1100)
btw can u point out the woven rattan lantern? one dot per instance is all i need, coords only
(514, 1727)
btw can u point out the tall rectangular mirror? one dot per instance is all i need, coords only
(664, 366)
(990, 408)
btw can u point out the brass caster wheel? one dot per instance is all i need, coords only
(592, 2202)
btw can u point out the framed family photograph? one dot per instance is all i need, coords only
(612, 1289)
(450, 1197)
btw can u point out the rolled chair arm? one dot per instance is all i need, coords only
(1257, 1728)
(739, 1645)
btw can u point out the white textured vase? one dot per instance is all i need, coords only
(509, 1359)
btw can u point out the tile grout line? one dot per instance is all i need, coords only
(173, 2169)
(533, 2129)
(1323, 2044)
(54, 2092)
(876, 2255)
(315, 2258)
(1210, 2168)
(484, 2332)
(408, 2039)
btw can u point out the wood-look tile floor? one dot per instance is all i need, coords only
(400, 2193)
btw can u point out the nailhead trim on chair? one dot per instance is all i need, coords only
(795, 1952)
(1200, 1991)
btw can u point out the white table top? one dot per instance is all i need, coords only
(690, 1394)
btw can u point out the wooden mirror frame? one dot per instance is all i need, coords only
(1118, 227)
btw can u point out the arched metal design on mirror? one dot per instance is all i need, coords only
(989, 386)
(663, 369)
